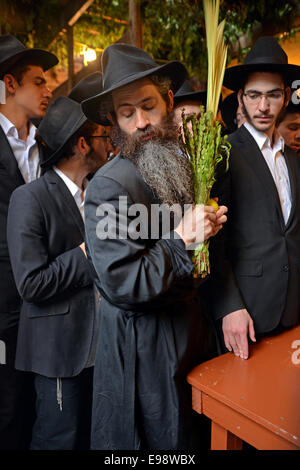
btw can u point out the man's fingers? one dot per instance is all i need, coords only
(222, 210)
(233, 343)
(243, 345)
(227, 343)
(252, 331)
(207, 209)
(221, 220)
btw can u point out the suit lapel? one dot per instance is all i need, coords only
(8, 159)
(257, 162)
(61, 191)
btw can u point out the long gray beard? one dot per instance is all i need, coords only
(160, 161)
(167, 171)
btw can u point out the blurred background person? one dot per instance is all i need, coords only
(289, 126)
(232, 114)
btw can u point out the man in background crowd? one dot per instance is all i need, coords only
(188, 100)
(59, 316)
(232, 114)
(289, 125)
(26, 97)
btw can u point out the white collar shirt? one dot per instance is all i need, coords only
(277, 166)
(25, 152)
(77, 193)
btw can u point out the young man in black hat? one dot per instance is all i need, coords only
(58, 320)
(259, 288)
(26, 96)
(152, 328)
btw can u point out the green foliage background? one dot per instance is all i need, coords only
(172, 29)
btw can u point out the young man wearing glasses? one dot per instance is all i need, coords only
(259, 282)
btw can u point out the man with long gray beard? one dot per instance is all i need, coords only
(152, 326)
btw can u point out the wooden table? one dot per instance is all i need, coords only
(255, 400)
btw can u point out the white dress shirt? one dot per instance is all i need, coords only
(277, 166)
(77, 193)
(26, 152)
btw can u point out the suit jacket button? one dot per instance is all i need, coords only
(285, 267)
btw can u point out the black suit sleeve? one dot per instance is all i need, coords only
(37, 277)
(222, 292)
(130, 272)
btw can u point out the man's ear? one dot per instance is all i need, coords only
(239, 97)
(11, 83)
(82, 145)
(171, 100)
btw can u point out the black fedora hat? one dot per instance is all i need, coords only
(63, 118)
(87, 88)
(187, 92)
(266, 55)
(228, 110)
(12, 50)
(123, 64)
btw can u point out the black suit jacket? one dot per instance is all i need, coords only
(45, 229)
(10, 179)
(262, 269)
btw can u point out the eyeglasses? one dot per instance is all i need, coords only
(272, 96)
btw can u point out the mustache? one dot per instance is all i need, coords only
(132, 144)
(153, 132)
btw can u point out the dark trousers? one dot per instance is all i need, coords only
(16, 397)
(67, 428)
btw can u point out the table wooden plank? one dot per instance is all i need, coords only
(222, 439)
(264, 389)
(244, 427)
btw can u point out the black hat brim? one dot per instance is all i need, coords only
(46, 59)
(234, 76)
(174, 70)
(55, 156)
(192, 96)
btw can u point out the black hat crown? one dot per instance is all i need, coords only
(187, 93)
(266, 50)
(88, 87)
(123, 61)
(12, 50)
(63, 118)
